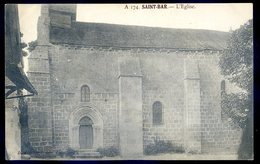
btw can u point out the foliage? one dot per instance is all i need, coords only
(23, 45)
(49, 155)
(236, 65)
(23, 115)
(108, 152)
(70, 152)
(43, 155)
(26, 148)
(235, 106)
(245, 150)
(32, 45)
(61, 153)
(24, 53)
(160, 146)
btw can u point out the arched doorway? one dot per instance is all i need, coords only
(85, 128)
(85, 133)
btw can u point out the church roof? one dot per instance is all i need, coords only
(112, 35)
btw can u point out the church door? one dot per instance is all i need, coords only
(85, 133)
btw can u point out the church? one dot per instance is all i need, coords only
(101, 85)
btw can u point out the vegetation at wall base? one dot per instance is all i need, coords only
(70, 152)
(108, 152)
(43, 155)
(160, 146)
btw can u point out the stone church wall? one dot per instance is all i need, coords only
(190, 98)
(162, 71)
(65, 104)
(218, 135)
(67, 79)
(163, 81)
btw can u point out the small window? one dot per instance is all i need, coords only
(157, 112)
(85, 93)
(223, 87)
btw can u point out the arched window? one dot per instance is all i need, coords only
(85, 93)
(157, 112)
(223, 87)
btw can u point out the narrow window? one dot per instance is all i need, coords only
(85, 93)
(223, 87)
(157, 112)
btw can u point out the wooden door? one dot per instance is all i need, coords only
(85, 136)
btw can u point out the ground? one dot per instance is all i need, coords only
(161, 157)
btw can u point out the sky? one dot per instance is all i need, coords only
(220, 17)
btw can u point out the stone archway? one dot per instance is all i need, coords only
(74, 126)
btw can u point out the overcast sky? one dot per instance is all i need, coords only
(219, 17)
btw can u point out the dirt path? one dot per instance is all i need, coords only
(160, 157)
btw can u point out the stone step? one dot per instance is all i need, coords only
(87, 150)
(87, 154)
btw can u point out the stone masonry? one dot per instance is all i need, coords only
(124, 82)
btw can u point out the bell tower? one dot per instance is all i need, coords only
(58, 15)
(40, 107)
(62, 15)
